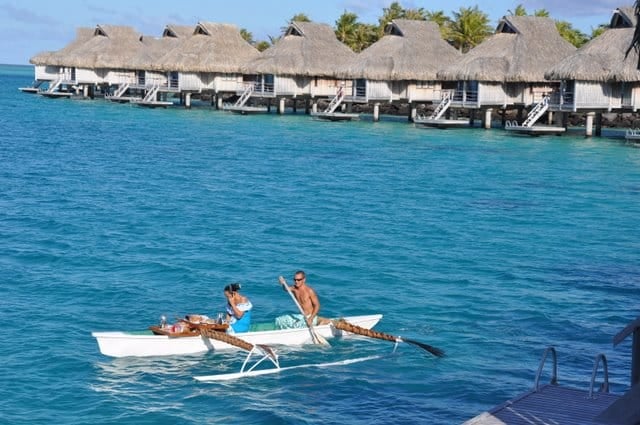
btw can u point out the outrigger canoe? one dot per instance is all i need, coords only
(146, 343)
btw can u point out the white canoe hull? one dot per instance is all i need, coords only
(123, 344)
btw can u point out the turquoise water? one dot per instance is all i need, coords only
(489, 246)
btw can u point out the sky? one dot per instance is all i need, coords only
(28, 27)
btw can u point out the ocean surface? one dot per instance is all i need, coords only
(488, 246)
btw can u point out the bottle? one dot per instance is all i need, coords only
(163, 321)
(220, 319)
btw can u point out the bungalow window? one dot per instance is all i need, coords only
(426, 85)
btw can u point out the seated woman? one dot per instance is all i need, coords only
(238, 309)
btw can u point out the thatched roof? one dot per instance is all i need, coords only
(409, 50)
(306, 49)
(521, 50)
(155, 48)
(56, 58)
(602, 59)
(210, 48)
(109, 46)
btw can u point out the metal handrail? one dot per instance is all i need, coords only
(554, 376)
(604, 388)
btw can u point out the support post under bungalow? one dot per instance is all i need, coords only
(187, 100)
(588, 126)
(281, 105)
(598, 124)
(219, 102)
(413, 111)
(376, 112)
(487, 118)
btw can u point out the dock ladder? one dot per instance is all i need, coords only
(121, 90)
(442, 107)
(336, 101)
(54, 85)
(535, 114)
(151, 94)
(246, 94)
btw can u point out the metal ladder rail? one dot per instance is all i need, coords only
(335, 102)
(245, 96)
(604, 387)
(442, 107)
(54, 86)
(536, 112)
(554, 373)
(121, 90)
(151, 94)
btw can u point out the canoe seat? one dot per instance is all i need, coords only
(260, 327)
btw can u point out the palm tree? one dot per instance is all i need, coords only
(346, 27)
(443, 21)
(246, 35)
(469, 28)
(572, 35)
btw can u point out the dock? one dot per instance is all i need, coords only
(554, 404)
(335, 116)
(535, 130)
(245, 109)
(443, 123)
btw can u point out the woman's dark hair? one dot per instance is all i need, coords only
(232, 287)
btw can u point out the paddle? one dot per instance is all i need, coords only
(317, 339)
(346, 326)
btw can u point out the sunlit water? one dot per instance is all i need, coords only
(489, 246)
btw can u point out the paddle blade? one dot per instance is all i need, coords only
(433, 350)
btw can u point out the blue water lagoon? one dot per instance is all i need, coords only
(489, 246)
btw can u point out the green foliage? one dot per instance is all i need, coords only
(469, 27)
(356, 35)
(246, 35)
(595, 32)
(262, 45)
(572, 35)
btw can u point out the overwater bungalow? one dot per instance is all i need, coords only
(209, 61)
(144, 60)
(402, 66)
(307, 62)
(52, 68)
(103, 60)
(508, 69)
(598, 77)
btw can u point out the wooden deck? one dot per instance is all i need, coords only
(335, 116)
(443, 123)
(550, 405)
(536, 130)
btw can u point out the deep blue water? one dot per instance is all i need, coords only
(489, 246)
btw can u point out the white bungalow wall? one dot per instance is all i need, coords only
(227, 82)
(594, 95)
(493, 94)
(156, 78)
(379, 90)
(424, 91)
(290, 86)
(112, 76)
(190, 81)
(47, 72)
(324, 87)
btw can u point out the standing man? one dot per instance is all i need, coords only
(308, 300)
